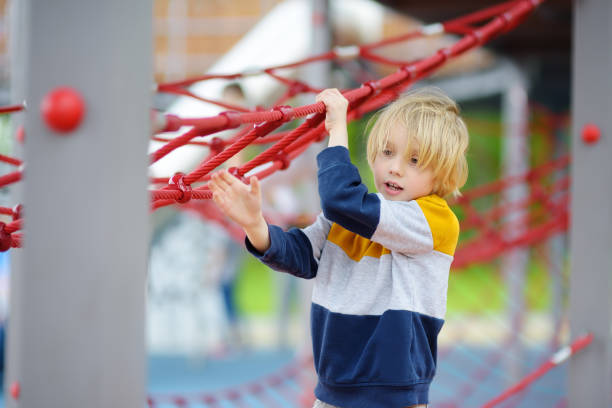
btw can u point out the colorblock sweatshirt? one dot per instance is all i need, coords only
(381, 275)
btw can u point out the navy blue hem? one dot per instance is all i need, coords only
(373, 396)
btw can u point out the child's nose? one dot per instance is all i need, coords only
(396, 167)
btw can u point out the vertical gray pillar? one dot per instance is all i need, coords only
(591, 213)
(557, 250)
(76, 329)
(514, 262)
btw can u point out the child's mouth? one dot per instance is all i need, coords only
(393, 187)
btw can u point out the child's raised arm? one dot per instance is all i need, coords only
(242, 204)
(335, 119)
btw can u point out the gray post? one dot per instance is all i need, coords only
(76, 329)
(557, 249)
(514, 263)
(591, 223)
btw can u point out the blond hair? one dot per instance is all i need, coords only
(434, 129)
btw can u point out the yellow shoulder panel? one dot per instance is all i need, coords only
(354, 245)
(442, 222)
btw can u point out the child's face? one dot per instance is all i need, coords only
(397, 176)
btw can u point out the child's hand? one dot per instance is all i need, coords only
(335, 119)
(242, 204)
(238, 201)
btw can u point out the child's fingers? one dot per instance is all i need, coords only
(254, 183)
(332, 98)
(324, 95)
(218, 198)
(212, 184)
(223, 205)
(333, 91)
(222, 199)
(227, 178)
(220, 181)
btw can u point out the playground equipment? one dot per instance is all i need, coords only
(74, 268)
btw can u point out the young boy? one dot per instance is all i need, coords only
(380, 261)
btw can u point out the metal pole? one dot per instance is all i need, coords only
(557, 250)
(76, 330)
(591, 223)
(514, 263)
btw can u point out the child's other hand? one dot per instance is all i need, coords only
(336, 105)
(238, 201)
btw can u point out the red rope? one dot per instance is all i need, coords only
(426, 65)
(479, 16)
(10, 160)
(11, 108)
(237, 396)
(6, 211)
(185, 92)
(10, 178)
(558, 358)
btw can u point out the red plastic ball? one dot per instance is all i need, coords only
(63, 109)
(590, 133)
(15, 390)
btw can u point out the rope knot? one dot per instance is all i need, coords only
(216, 145)
(177, 183)
(373, 85)
(283, 159)
(410, 71)
(478, 36)
(6, 240)
(506, 18)
(286, 112)
(298, 87)
(173, 123)
(233, 119)
(236, 172)
(445, 53)
(17, 212)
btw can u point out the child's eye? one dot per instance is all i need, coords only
(387, 152)
(414, 160)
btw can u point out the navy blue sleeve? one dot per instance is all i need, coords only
(344, 198)
(289, 252)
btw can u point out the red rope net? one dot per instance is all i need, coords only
(541, 213)
(288, 145)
